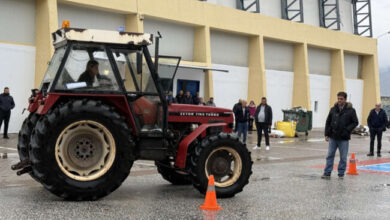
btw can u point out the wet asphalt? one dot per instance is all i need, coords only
(285, 184)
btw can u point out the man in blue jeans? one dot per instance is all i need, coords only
(341, 121)
(242, 117)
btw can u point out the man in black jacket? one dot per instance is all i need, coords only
(179, 97)
(235, 108)
(341, 121)
(263, 119)
(377, 121)
(6, 105)
(187, 98)
(242, 117)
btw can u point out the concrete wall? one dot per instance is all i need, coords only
(229, 49)
(355, 96)
(178, 39)
(346, 16)
(279, 92)
(319, 61)
(227, 3)
(230, 87)
(89, 18)
(19, 78)
(311, 13)
(271, 8)
(278, 55)
(320, 94)
(352, 65)
(17, 21)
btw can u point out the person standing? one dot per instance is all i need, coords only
(195, 99)
(377, 122)
(242, 116)
(187, 98)
(235, 108)
(201, 101)
(180, 97)
(211, 102)
(6, 105)
(252, 111)
(341, 121)
(263, 119)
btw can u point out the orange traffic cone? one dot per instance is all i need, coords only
(210, 203)
(352, 166)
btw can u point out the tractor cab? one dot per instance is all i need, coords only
(98, 63)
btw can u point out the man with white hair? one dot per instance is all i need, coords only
(377, 122)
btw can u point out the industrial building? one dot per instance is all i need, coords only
(294, 52)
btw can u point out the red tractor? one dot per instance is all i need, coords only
(102, 105)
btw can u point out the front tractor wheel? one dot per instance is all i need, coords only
(82, 150)
(226, 158)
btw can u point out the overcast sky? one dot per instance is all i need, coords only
(381, 24)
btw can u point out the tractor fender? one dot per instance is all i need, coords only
(181, 156)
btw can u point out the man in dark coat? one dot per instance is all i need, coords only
(180, 97)
(195, 99)
(242, 117)
(341, 121)
(6, 105)
(263, 119)
(187, 98)
(235, 108)
(377, 121)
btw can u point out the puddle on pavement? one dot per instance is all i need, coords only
(308, 176)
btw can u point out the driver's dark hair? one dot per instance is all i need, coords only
(91, 64)
(342, 94)
(6, 88)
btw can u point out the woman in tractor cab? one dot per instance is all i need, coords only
(90, 72)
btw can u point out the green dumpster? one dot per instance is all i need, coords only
(304, 119)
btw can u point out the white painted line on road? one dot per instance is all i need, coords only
(7, 148)
(316, 140)
(300, 148)
(144, 164)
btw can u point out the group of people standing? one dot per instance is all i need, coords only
(188, 99)
(246, 115)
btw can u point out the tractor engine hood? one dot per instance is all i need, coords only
(199, 114)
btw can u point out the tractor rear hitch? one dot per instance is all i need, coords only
(24, 170)
(23, 167)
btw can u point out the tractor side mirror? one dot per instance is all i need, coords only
(139, 63)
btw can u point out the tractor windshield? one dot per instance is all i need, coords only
(52, 69)
(87, 68)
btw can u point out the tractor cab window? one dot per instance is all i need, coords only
(87, 68)
(142, 92)
(134, 71)
(52, 69)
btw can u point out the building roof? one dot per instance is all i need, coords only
(101, 36)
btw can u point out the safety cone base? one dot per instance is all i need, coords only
(210, 208)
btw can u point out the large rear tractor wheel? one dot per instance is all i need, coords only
(25, 134)
(24, 138)
(225, 157)
(172, 175)
(82, 150)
